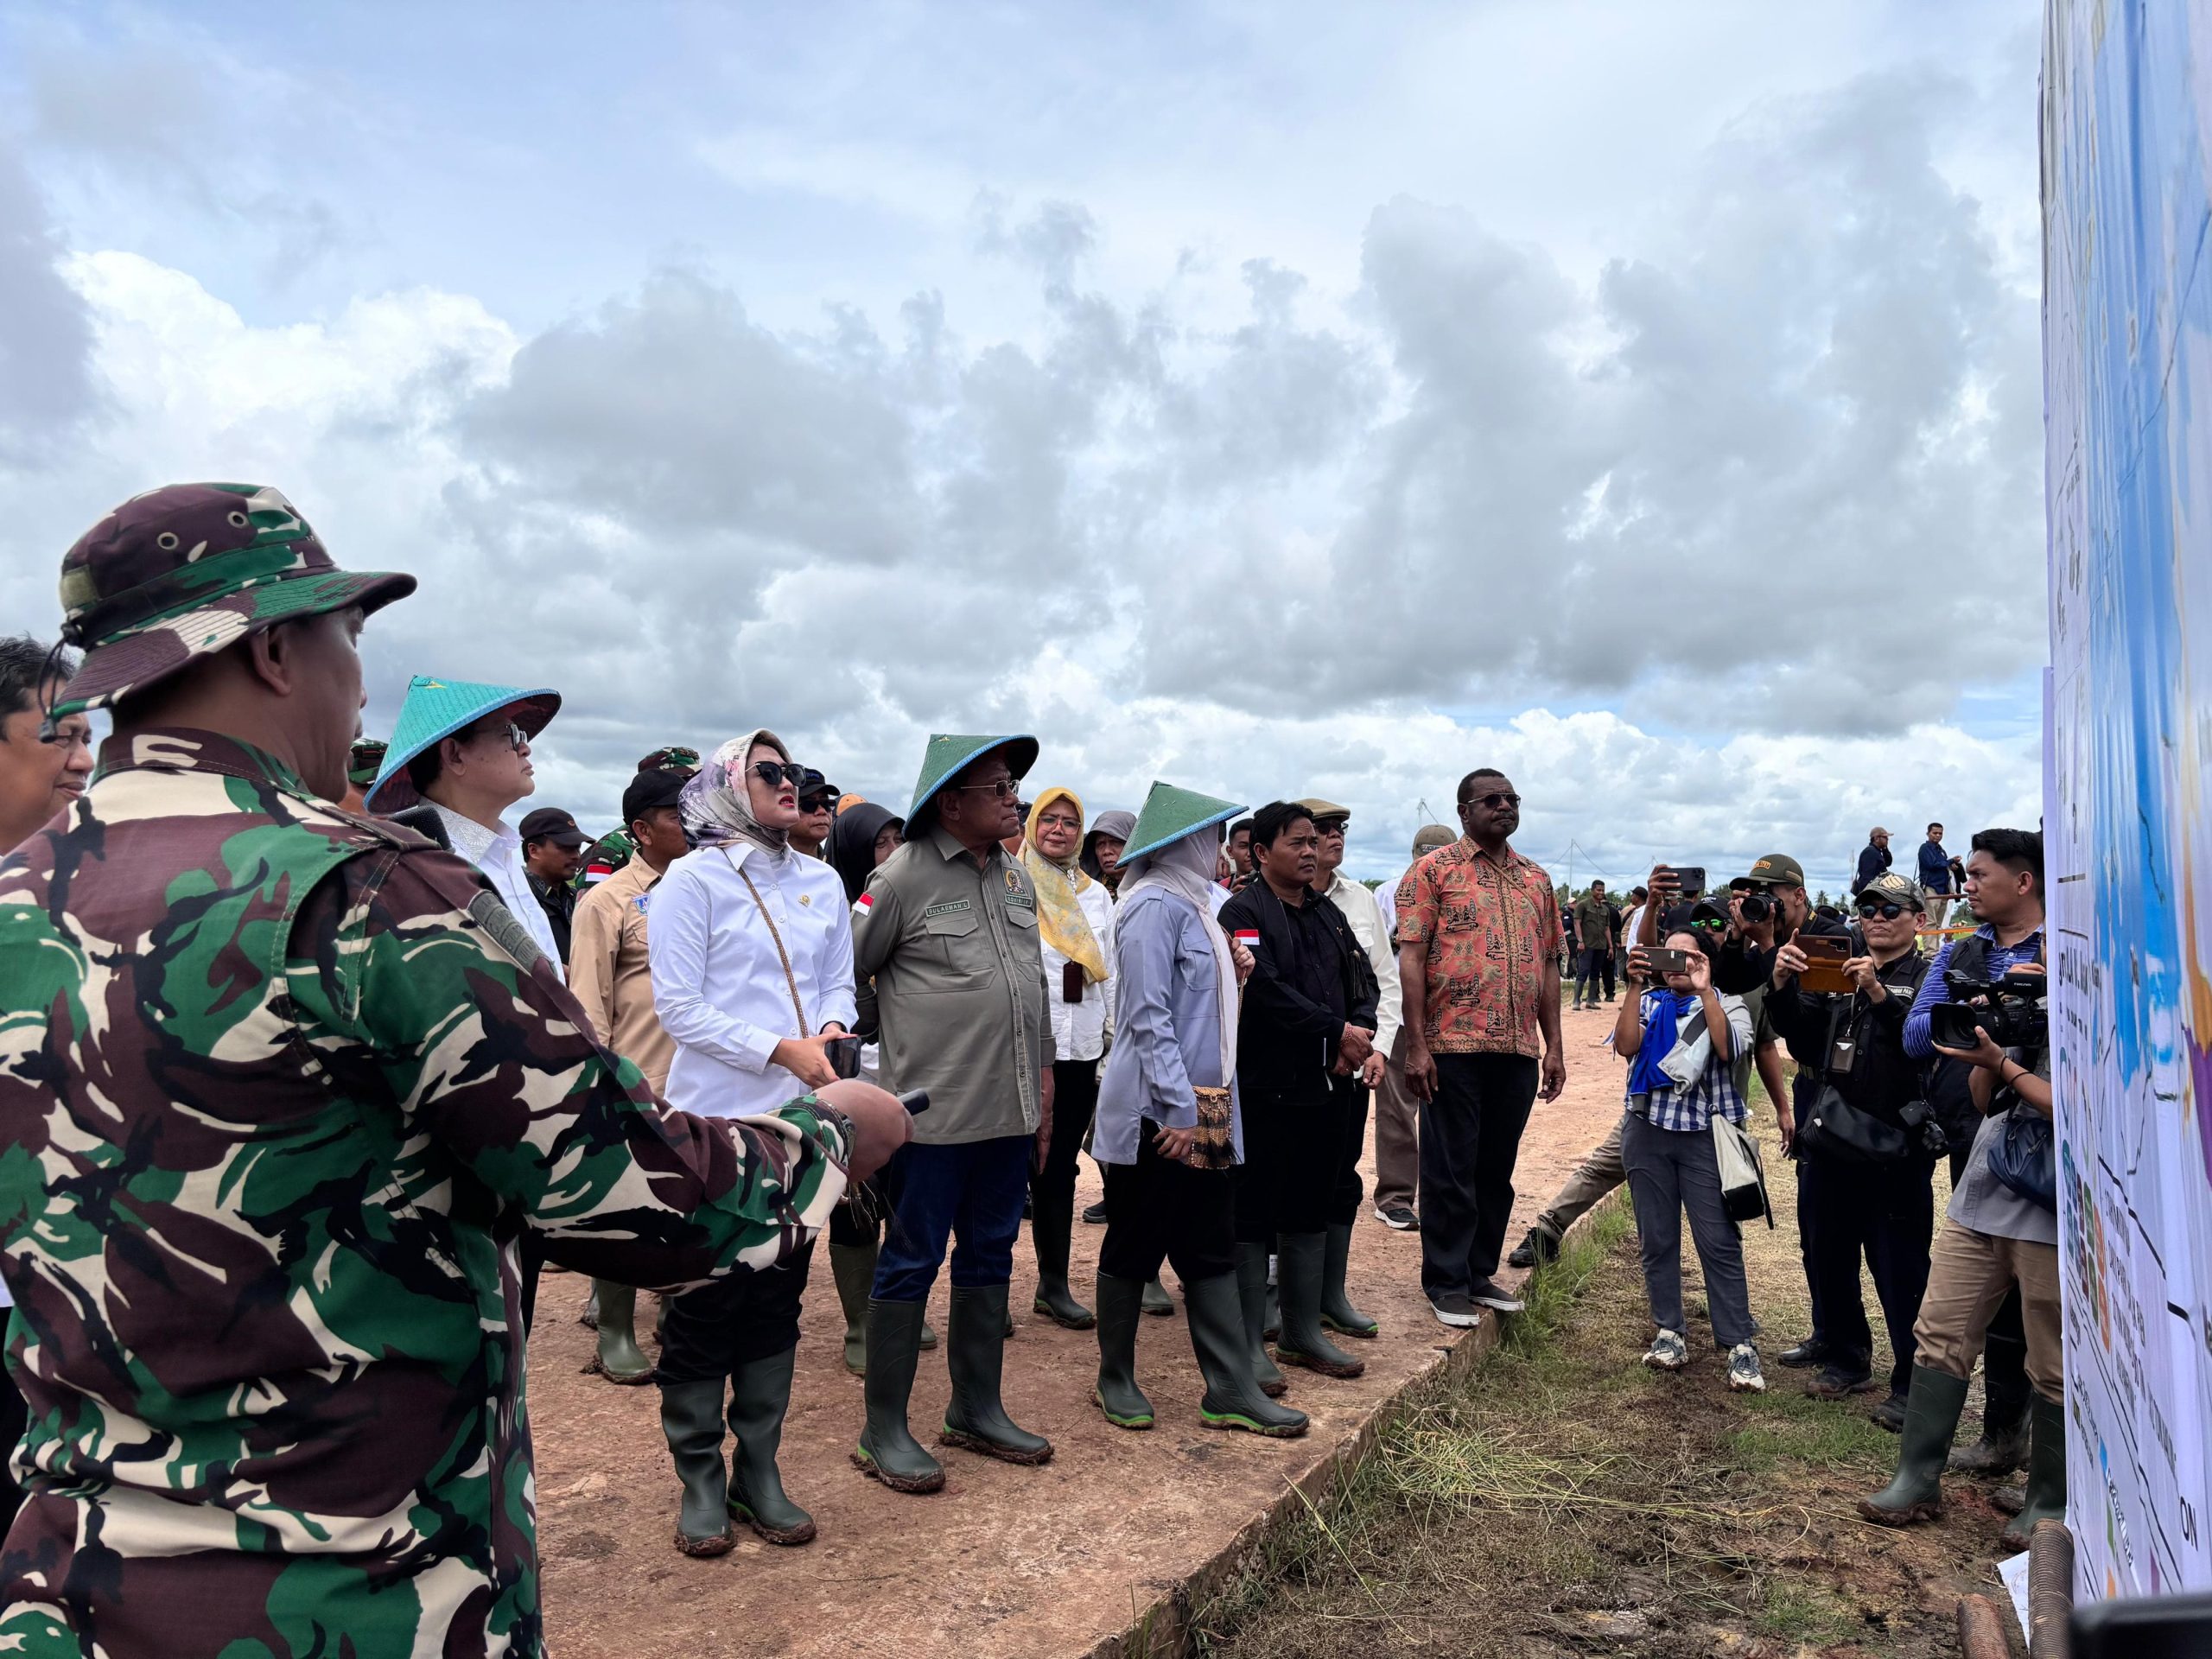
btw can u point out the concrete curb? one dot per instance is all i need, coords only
(1162, 1630)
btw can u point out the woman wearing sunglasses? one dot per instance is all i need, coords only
(1864, 1145)
(751, 951)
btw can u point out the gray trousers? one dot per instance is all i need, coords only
(1671, 1170)
(1595, 1176)
(1397, 1134)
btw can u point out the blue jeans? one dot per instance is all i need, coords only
(971, 1193)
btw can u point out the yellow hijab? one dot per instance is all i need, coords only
(1066, 929)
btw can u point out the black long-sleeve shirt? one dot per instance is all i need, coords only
(1299, 999)
(1882, 1077)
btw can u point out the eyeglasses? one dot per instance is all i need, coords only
(1709, 923)
(771, 772)
(1494, 801)
(1870, 910)
(815, 803)
(1000, 788)
(516, 739)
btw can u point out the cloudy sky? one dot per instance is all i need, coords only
(1279, 399)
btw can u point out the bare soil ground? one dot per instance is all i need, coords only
(1564, 1500)
(1004, 1562)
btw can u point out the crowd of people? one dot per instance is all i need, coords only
(316, 1059)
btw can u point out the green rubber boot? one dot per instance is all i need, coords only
(2046, 1493)
(620, 1359)
(1298, 1276)
(759, 1395)
(1156, 1301)
(853, 1265)
(1931, 1421)
(887, 1450)
(1120, 1305)
(1252, 1299)
(1232, 1399)
(691, 1418)
(975, 1346)
(1337, 1314)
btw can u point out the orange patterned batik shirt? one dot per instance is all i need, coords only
(1492, 929)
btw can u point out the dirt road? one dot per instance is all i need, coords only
(1004, 1562)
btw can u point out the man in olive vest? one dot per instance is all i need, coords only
(281, 1091)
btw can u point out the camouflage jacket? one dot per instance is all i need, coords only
(279, 1092)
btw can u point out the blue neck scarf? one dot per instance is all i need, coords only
(1662, 1030)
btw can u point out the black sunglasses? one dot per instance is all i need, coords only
(815, 803)
(769, 771)
(1494, 801)
(514, 734)
(1869, 910)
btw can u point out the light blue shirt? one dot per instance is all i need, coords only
(1166, 1027)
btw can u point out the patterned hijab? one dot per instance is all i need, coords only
(717, 808)
(1059, 916)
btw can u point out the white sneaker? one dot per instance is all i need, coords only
(1668, 1352)
(1744, 1373)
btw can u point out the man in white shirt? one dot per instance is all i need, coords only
(1397, 1114)
(1358, 903)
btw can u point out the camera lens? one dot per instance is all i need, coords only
(1758, 906)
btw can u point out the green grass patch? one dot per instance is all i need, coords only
(1795, 1611)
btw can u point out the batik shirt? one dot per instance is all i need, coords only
(1491, 930)
(280, 1090)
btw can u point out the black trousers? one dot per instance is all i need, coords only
(1162, 1210)
(1886, 1213)
(1351, 1107)
(1804, 1088)
(1052, 1189)
(1591, 966)
(732, 1322)
(859, 1217)
(1470, 1139)
(1292, 1178)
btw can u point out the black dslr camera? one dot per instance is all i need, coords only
(2012, 1010)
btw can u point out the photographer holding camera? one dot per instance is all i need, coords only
(1983, 1005)
(1866, 1139)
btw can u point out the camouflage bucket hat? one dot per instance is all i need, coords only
(180, 572)
(367, 759)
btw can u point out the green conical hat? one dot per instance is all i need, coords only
(437, 709)
(947, 754)
(1169, 814)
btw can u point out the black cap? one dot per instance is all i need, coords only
(815, 784)
(655, 786)
(551, 824)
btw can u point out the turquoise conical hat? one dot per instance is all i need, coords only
(947, 753)
(437, 708)
(1169, 814)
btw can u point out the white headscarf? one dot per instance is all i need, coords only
(1185, 867)
(715, 805)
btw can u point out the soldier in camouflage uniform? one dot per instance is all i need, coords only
(280, 1090)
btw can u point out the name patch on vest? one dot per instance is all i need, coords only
(951, 907)
(1021, 901)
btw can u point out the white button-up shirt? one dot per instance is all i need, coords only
(718, 982)
(1079, 1028)
(498, 852)
(1365, 914)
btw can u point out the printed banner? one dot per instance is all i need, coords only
(2128, 347)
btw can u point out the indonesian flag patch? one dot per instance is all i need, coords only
(862, 904)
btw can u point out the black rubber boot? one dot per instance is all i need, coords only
(691, 1418)
(1931, 1418)
(1252, 1299)
(590, 1318)
(759, 1395)
(1298, 1274)
(853, 1265)
(619, 1358)
(1157, 1302)
(1232, 1399)
(2046, 1493)
(2003, 1447)
(1337, 1314)
(1116, 1394)
(1048, 1233)
(1273, 1328)
(975, 1346)
(887, 1451)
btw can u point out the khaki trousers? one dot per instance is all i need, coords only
(1397, 1135)
(1968, 1275)
(1596, 1176)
